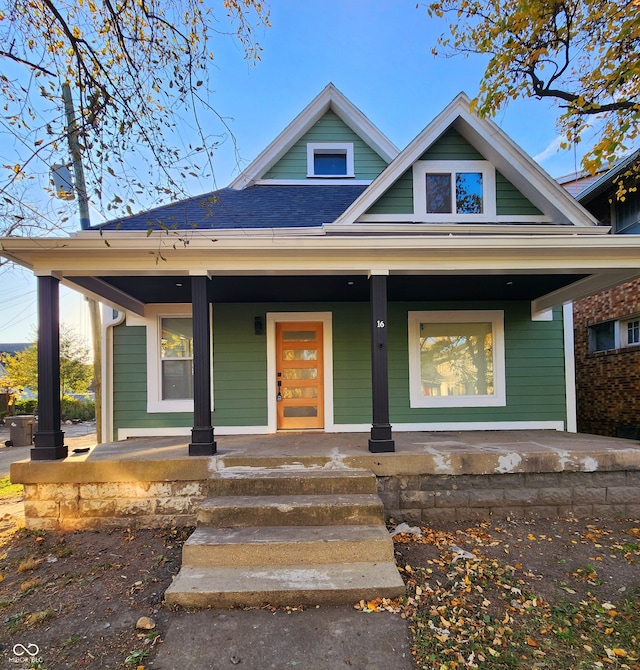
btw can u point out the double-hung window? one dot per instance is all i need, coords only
(169, 358)
(176, 358)
(456, 359)
(454, 191)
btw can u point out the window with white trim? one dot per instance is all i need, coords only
(169, 358)
(329, 160)
(456, 359)
(447, 191)
(176, 358)
(614, 334)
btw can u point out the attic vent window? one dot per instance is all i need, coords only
(330, 160)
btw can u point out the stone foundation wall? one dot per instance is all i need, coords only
(417, 499)
(91, 506)
(432, 499)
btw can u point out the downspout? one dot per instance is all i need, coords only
(110, 319)
(569, 367)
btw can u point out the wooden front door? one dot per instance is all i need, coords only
(299, 375)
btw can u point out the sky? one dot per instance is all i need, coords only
(377, 52)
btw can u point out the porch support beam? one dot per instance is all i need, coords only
(202, 442)
(380, 440)
(49, 439)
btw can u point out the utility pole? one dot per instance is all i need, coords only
(85, 223)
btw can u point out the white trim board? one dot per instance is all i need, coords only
(457, 426)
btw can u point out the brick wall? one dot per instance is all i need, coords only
(607, 383)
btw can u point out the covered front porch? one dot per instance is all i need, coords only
(431, 477)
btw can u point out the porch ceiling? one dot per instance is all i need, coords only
(335, 288)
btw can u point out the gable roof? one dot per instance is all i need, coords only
(605, 181)
(330, 98)
(255, 207)
(491, 141)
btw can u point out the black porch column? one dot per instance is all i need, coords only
(381, 428)
(49, 439)
(202, 442)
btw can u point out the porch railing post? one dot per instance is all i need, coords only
(381, 439)
(202, 442)
(49, 439)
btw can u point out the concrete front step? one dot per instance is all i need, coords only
(278, 545)
(328, 584)
(291, 510)
(291, 481)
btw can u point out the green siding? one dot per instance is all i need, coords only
(398, 199)
(509, 200)
(534, 353)
(330, 128)
(239, 367)
(451, 146)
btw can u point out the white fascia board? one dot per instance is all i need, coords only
(583, 288)
(522, 171)
(330, 98)
(496, 146)
(330, 181)
(407, 226)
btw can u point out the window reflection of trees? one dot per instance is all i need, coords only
(458, 364)
(469, 192)
(468, 196)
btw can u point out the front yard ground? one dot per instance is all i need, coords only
(497, 594)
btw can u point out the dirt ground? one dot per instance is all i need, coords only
(72, 600)
(78, 596)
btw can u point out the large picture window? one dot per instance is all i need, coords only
(456, 359)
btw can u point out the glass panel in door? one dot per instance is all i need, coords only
(299, 381)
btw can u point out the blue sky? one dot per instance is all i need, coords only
(377, 52)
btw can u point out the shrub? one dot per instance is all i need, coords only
(26, 406)
(74, 409)
(71, 409)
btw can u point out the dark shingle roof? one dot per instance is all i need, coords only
(252, 207)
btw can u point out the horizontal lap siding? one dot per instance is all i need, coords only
(330, 128)
(351, 363)
(535, 375)
(451, 146)
(510, 201)
(239, 367)
(130, 383)
(398, 199)
(534, 361)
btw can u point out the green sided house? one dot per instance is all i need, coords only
(338, 285)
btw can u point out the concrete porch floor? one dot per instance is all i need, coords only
(431, 477)
(438, 453)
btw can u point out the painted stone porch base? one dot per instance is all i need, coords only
(94, 506)
(433, 499)
(431, 478)
(417, 499)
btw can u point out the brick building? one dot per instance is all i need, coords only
(607, 325)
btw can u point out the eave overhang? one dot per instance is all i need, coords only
(497, 147)
(159, 254)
